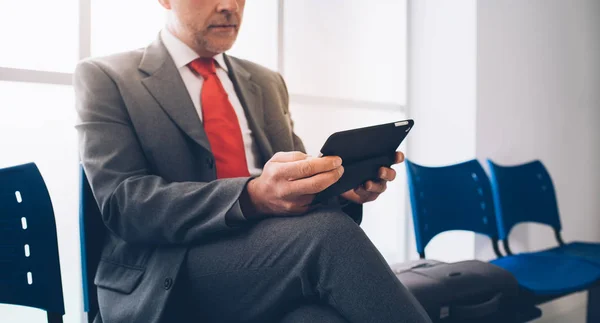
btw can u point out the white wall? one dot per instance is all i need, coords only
(538, 83)
(442, 89)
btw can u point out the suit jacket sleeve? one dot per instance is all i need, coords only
(136, 205)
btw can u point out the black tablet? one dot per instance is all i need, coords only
(363, 152)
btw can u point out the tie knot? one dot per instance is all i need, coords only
(204, 66)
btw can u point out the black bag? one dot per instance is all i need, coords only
(467, 291)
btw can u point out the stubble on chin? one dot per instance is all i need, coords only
(213, 46)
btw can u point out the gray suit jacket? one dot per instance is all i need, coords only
(152, 172)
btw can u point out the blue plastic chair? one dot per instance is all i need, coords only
(92, 234)
(525, 193)
(459, 197)
(29, 260)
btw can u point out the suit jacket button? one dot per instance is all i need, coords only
(209, 162)
(168, 283)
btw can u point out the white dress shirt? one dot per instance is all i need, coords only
(182, 55)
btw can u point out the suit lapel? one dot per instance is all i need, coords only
(251, 98)
(166, 86)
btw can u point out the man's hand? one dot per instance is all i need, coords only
(370, 190)
(289, 183)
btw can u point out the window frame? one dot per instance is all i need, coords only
(10, 74)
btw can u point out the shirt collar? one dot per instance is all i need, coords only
(182, 54)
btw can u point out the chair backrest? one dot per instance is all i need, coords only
(92, 233)
(523, 193)
(29, 260)
(456, 197)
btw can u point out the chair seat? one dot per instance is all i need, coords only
(548, 273)
(587, 251)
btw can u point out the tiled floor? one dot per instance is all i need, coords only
(571, 309)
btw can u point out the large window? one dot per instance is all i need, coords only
(344, 62)
(37, 35)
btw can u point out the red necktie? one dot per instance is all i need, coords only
(220, 123)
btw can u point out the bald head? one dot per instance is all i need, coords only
(210, 27)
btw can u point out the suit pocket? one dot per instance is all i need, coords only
(117, 277)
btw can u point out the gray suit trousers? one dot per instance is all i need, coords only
(280, 264)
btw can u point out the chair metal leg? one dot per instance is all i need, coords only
(496, 248)
(559, 238)
(55, 318)
(507, 247)
(593, 307)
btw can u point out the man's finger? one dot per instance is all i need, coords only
(288, 156)
(399, 157)
(387, 174)
(316, 183)
(376, 187)
(305, 200)
(308, 167)
(364, 195)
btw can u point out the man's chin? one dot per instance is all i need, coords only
(218, 47)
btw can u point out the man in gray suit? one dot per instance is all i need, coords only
(205, 190)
